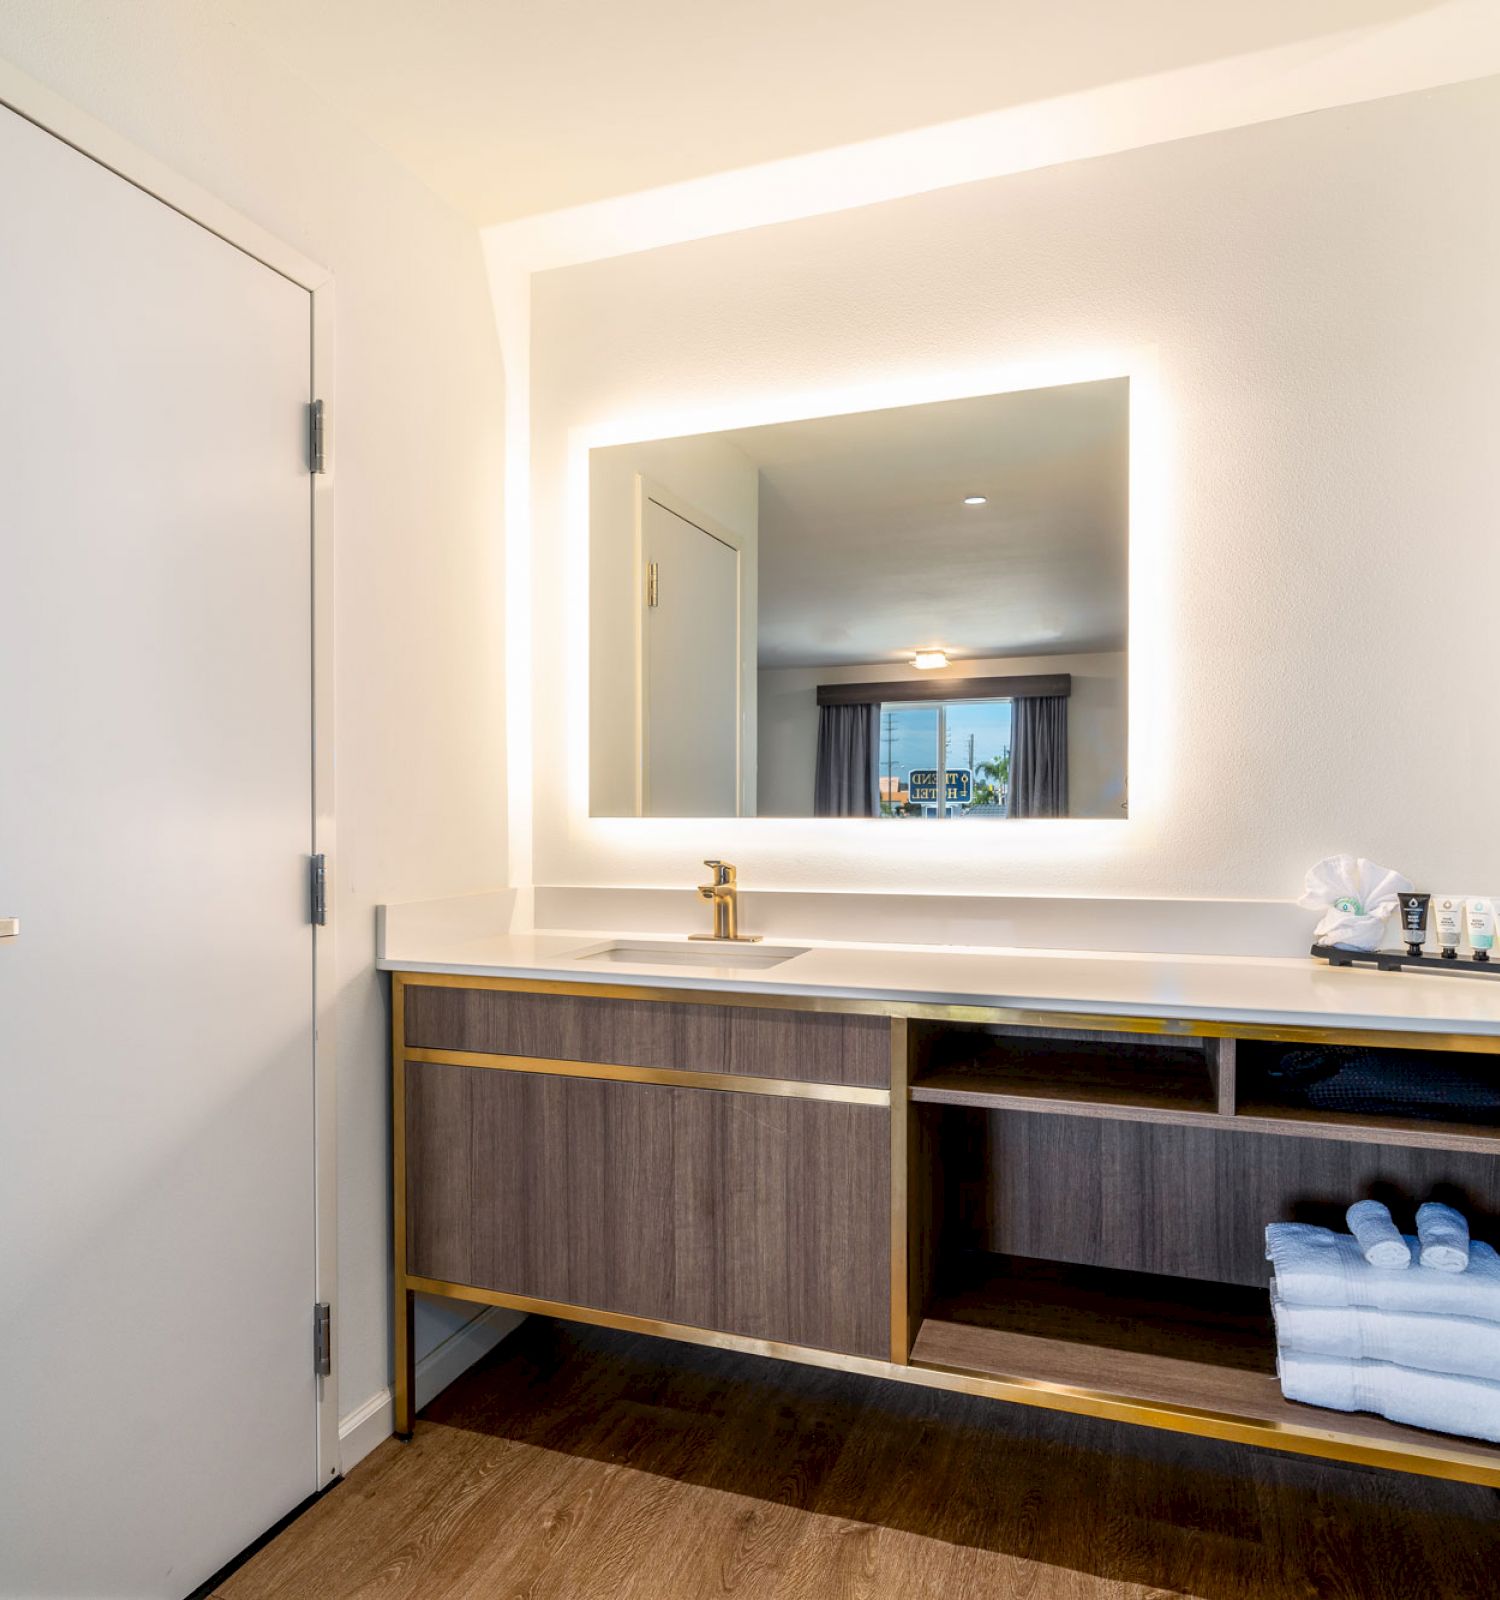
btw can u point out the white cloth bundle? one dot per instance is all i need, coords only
(1379, 1238)
(1444, 1236)
(1315, 1267)
(1463, 1347)
(1356, 898)
(1420, 1399)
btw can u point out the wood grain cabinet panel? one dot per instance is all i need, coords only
(743, 1213)
(1188, 1202)
(766, 1042)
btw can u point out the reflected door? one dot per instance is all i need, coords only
(690, 646)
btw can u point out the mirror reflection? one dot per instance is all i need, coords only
(916, 614)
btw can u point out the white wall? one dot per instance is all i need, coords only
(717, 480)
(417, 455)
(1096, 725)
(1310, 305)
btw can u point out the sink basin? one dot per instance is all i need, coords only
(664, 953)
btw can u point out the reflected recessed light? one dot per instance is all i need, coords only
(976, 499)
(927, 659)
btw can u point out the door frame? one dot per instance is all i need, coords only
(647, 490)
(74, 127)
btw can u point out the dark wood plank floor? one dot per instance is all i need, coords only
(577, 1463)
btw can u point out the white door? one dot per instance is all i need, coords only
(156, 1039)
(691, 644)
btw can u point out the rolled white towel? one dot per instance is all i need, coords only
(1467, 1406)
(1444, 1236)
(1462, 1347)
(1316, 1267)
(1380, 1240)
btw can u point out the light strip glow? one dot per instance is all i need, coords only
(1152, 590)
(1449, 42)
(510, 289)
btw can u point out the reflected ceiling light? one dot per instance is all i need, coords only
(927, 659)
(976, 499)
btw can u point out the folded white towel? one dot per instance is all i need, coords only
(1444, 1234)
(1315, 1267)
(1463, 1347)
(1434, 1400)
(1380, 1240)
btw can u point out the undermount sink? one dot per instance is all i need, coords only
(706, 953)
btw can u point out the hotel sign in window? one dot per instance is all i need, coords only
(944, 759)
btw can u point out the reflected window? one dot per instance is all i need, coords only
(945, 759)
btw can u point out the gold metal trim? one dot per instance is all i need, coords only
(403, 1387)
(900, 1178)
(1434, 1461)
(567, 988)
(1005, 1016)
(670, 1077)
(1385, 1038)
(744, 1343)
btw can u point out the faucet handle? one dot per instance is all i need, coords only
(724, 871)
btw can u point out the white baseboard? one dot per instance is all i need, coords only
(368, 1424)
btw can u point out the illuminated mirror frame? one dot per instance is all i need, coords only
(1150, 701)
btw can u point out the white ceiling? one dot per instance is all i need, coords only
(867, 551)
(513, 107)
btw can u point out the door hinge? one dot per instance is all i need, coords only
(323, 1339)
(317, 437)
(318, 889)
(651, 583)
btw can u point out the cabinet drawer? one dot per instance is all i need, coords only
(764, 1042)
(753, 1214)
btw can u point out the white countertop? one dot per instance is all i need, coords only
(1253, 989)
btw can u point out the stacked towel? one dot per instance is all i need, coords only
(1403, 1394)
(1463, 1347)
(1316, 1267)
(1444, 1233)
(1417, 1344)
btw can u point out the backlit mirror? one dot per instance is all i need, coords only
(917, 614)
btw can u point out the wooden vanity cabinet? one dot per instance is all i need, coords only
(694, 1168)
(1055, 1210)
(763, 1215)
(778, 1043)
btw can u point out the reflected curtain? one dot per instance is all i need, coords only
(846, 781)
(1039, 756)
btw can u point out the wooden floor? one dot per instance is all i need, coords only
(582, 1464)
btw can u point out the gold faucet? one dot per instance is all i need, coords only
(724, 895)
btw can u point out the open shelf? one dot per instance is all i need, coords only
(1076, 1074)
(1418, 1098)
(1137, 1340)
(1268, 1116)
(1105, 1311)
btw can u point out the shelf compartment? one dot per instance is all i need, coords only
(1122, 1343)
(1420, 1098)
(1170, 1198)
(1067, 1072)
(1256, 1115)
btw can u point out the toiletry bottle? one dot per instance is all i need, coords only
(1414, 921)
(1448, 913)
(1479, 919)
